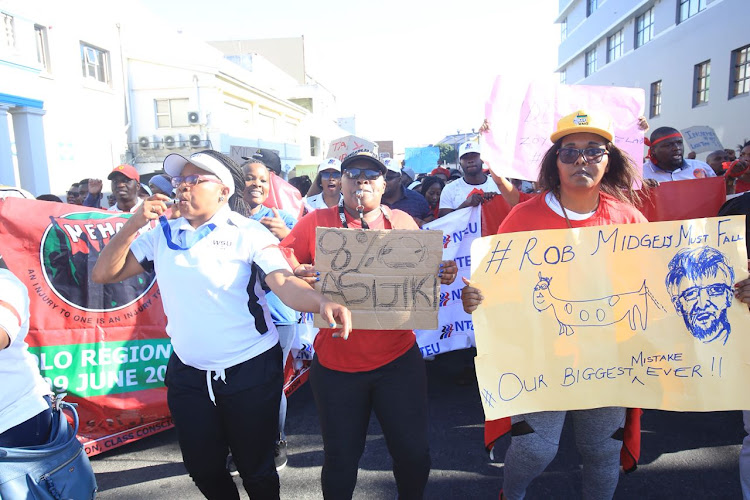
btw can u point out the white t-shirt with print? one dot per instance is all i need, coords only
(457, 191)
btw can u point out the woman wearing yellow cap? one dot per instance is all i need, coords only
(586, 181)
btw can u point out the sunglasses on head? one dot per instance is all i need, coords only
(356, 173)
(192, 180)
(330, 175)
(590, 155)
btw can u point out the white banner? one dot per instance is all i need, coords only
(455, 328)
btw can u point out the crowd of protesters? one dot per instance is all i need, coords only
(226, 395)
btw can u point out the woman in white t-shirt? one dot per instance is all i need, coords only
(213, 264)
(328, 181)
(25, 411)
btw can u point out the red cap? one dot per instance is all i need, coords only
(128, 171)
(441, 170)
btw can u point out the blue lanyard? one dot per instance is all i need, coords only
(200, 234)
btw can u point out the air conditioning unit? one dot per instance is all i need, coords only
(171, 141)
(194, 117)
(196, 140)
(148, 142)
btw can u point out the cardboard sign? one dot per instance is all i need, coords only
(388, 279)
(631, 315)
(523, 115)
(701, 139)
(344, 146)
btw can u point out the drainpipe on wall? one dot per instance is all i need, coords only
(126, 94)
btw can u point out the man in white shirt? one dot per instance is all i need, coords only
(455, 195)
(666, 161)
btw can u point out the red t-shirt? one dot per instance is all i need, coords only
(536, 214)
(364, 350)
(496, 210)
(741, 186)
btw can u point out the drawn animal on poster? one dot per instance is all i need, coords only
(700, 282)
(595, 312)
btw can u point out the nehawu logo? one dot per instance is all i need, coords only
(70, 246)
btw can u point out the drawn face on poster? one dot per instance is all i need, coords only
(700, 284)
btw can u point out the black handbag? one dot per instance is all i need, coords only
(56, 470)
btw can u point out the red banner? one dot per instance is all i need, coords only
(684, 200)
(103, 345)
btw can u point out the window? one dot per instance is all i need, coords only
(614, 47)
(266, 123)
(689, 8)
(701, 83)
(314, 146)
(591, 62)
(564, 76)
(8, 35)
(655, 106)
(172, 113)
(591, 6)
(42, 47)
(644, 28)
(290, 131)
(95, 63)
(564, 29)
(741, 71)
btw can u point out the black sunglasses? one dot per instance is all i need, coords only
(356, 173)
(330, 175)
(590, 155)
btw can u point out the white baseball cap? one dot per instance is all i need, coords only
(330, 164)
(468, 147)
(392, 165)
(174, 163)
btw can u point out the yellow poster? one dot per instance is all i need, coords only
(636, 315)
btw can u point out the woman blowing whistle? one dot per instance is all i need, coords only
(224, 378)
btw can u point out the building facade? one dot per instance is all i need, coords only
(689, 56)
(291, 80)
(79, 97)
(62, 105)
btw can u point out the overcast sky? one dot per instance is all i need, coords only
(412, 71)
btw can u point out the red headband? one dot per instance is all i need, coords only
(670, 136)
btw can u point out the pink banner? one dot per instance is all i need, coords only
(522, 116)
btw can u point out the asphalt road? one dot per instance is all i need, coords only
(684, 455)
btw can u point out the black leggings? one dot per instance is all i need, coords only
(244, 419)
(397, 392)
